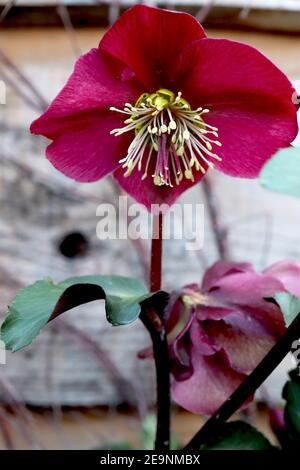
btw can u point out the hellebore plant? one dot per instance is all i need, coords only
(157, 105)
(229, 329)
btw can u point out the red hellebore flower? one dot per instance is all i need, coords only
(158, 103)
(229, 329)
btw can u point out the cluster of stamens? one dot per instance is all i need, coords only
(170, 132)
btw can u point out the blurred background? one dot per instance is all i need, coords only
(71, 389)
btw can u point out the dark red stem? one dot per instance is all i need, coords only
(156, 253)
(155, 325)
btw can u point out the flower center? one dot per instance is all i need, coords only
(194, 299)
(169, 132)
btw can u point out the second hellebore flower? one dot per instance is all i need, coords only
(228, 327)
(158, 103)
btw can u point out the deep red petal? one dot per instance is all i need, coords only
(149, 41)
(250, 134)
(249, 99)
(220, 71)
(91, 87)
(87, 152)
(147, 193)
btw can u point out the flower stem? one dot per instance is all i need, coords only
(161, 357)
(248, 386)
(156, 252)
(155, 325)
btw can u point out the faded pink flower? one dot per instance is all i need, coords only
(229, 327)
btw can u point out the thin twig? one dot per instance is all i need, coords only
(122, 385)
(41, 104)
(18, 90)
(204, 11)
(64, 14)
(219, 231)
(6, 9)
(248, 386)
(9, 444)
(142, 254)
(137, 243)
(18, 408)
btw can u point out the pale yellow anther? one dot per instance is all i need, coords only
(188, 174)
(180, 151)
(186, 135)
(157, 180)
(216, 157)
(194, 299)
(188, 148)
(127, 173)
